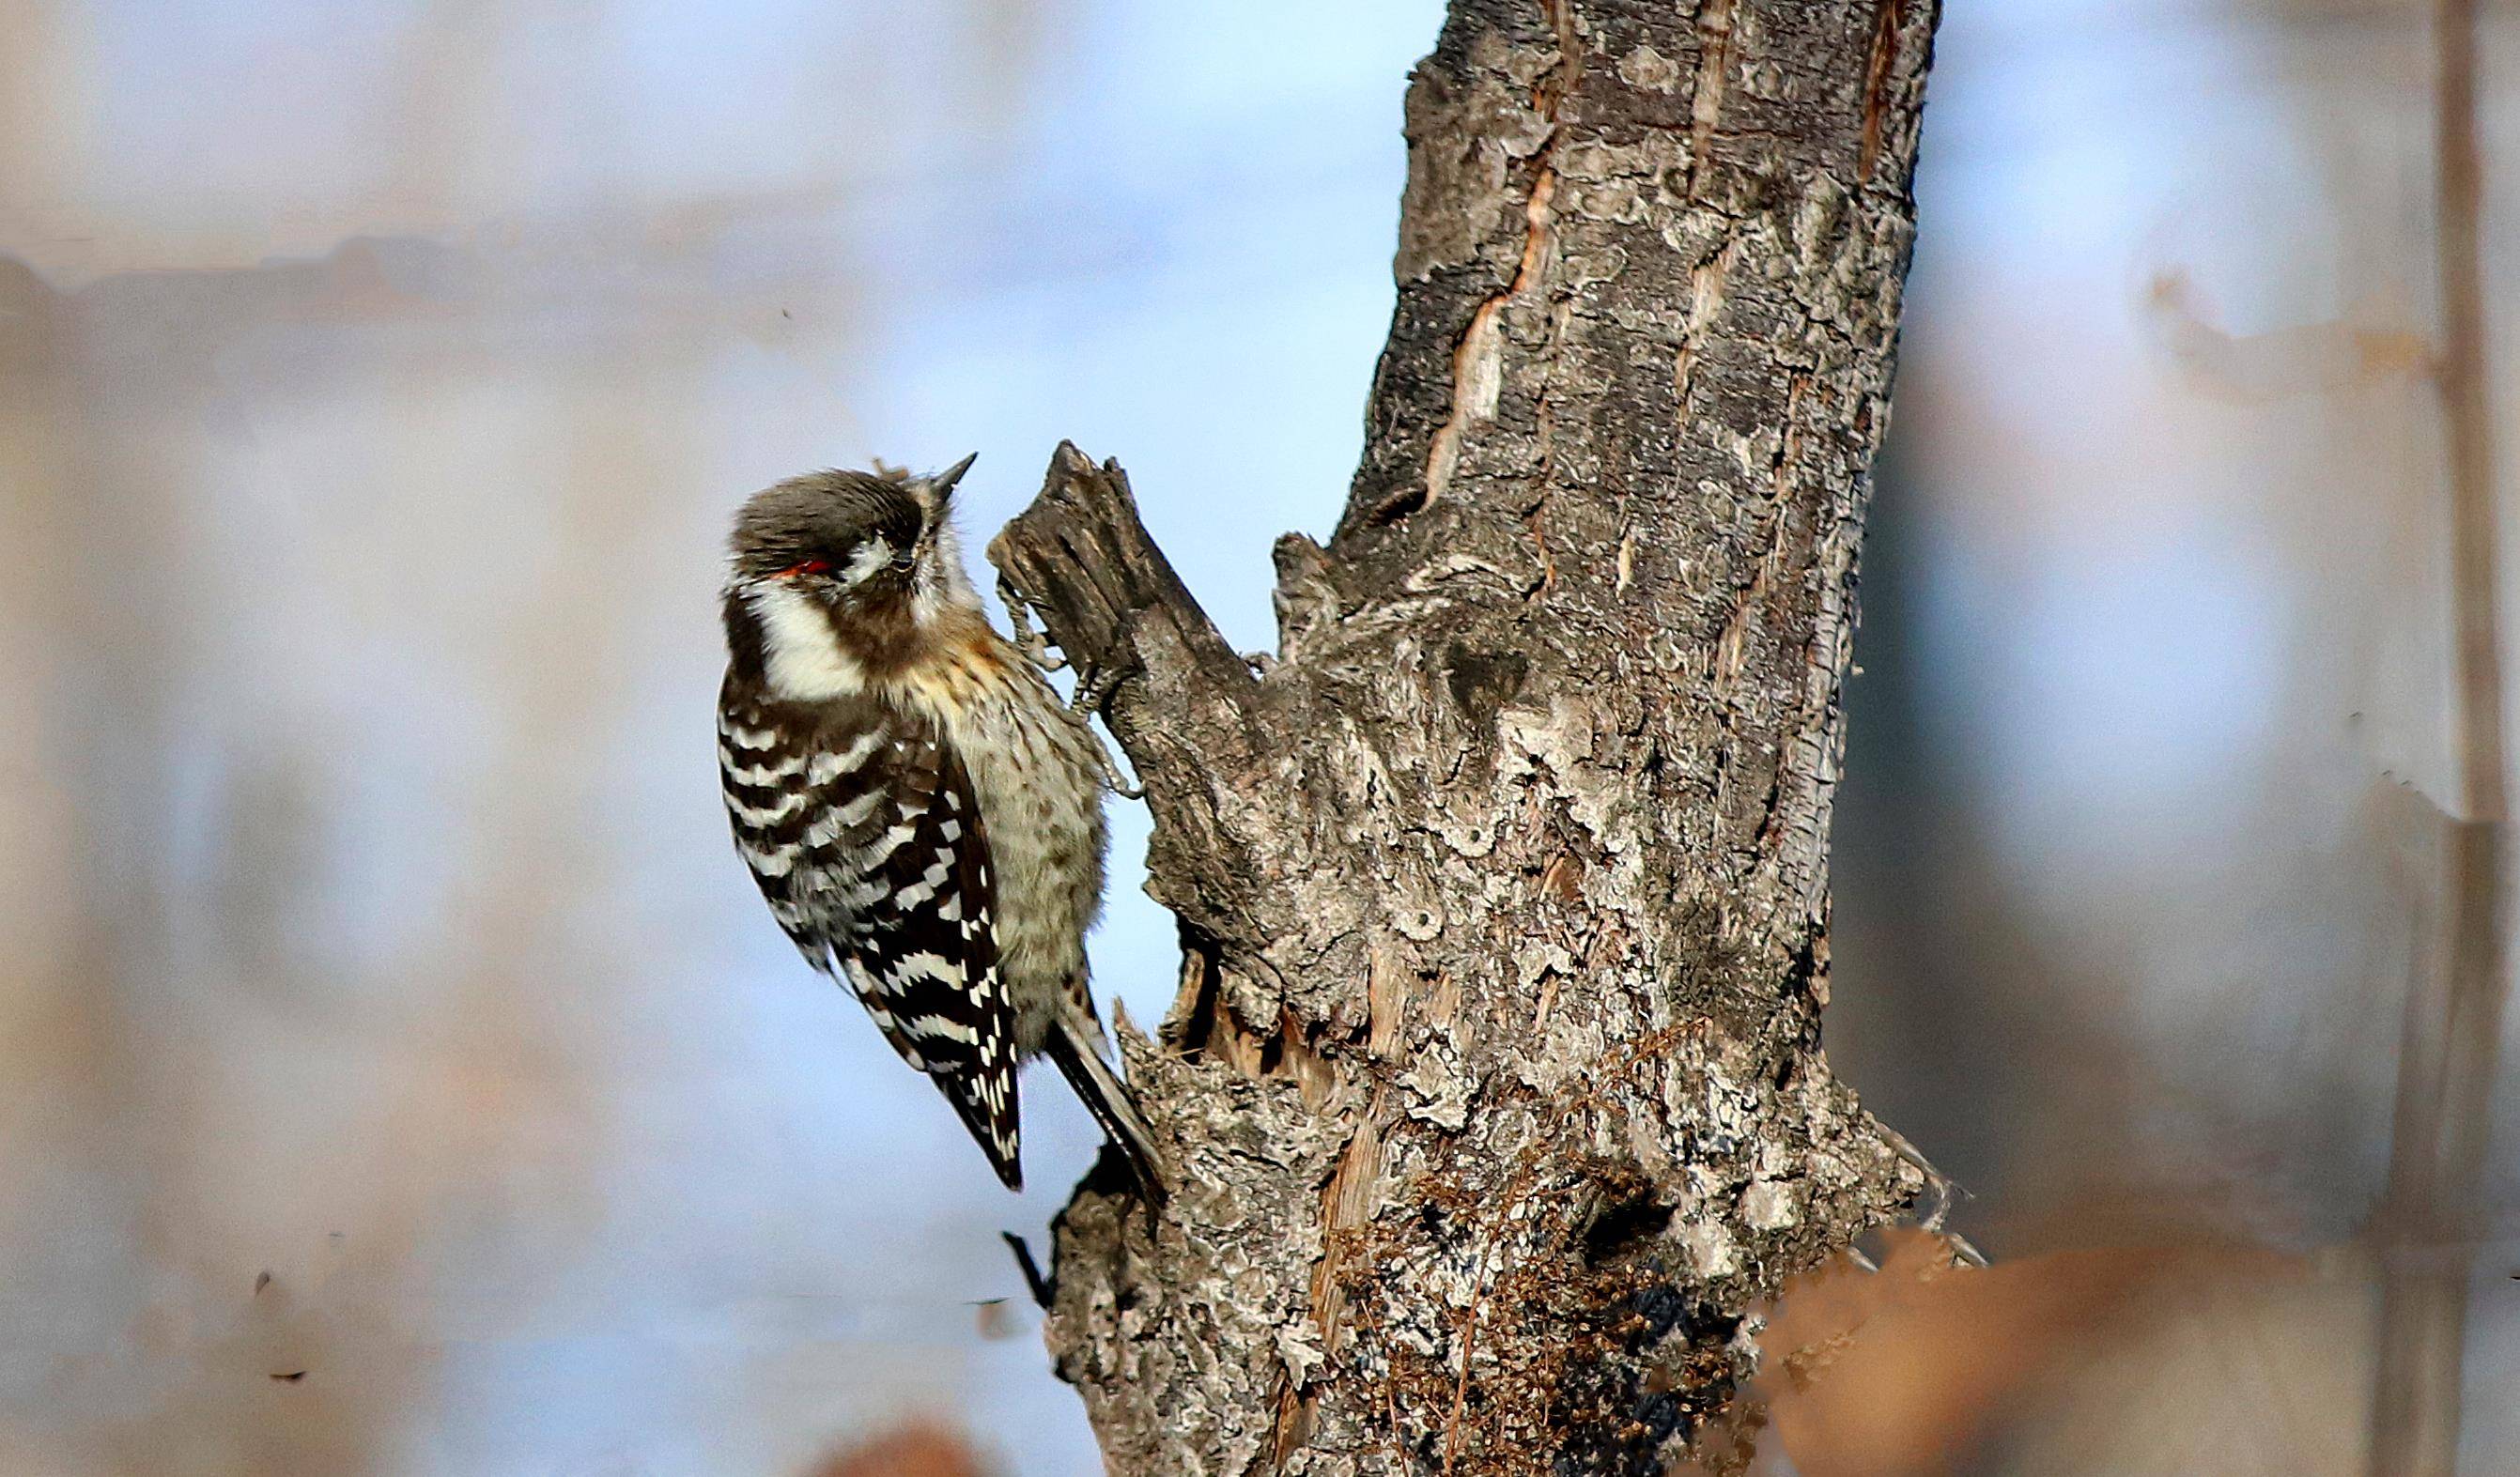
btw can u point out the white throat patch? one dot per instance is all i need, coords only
(800, 655)
(941, 582)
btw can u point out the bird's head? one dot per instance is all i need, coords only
(858, 563)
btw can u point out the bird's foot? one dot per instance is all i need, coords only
(1029, 638)
(1094, 685)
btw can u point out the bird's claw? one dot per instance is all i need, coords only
(1943, 1190)
(1117, 783)
(1030, 640)
(1094, 685)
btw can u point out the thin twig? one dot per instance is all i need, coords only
(1044, 1291)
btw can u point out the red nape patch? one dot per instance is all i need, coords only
(809, 566)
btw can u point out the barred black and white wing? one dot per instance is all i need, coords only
(859, 823)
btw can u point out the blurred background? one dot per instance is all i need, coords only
(399, 1074)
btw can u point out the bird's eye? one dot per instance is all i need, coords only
(808, 566)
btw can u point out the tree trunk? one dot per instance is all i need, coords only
(1494, 1086)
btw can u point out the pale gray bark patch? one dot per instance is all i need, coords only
(1494, 1086)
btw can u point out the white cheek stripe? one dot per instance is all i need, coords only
(804, 659)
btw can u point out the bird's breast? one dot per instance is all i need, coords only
(1037, 776)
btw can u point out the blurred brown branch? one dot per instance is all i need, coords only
(2447, 1057)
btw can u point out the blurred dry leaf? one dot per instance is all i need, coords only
(2254, 368)
(2042, 1363)
(918, 1449)
(996, 1319)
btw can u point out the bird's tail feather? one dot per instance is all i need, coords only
(1109, 1100)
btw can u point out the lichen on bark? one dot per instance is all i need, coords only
(1493, 1085)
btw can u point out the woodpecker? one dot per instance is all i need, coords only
(922, 813)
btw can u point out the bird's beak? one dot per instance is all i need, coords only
(942, 484)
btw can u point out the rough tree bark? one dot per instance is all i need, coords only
(1495, 1078)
